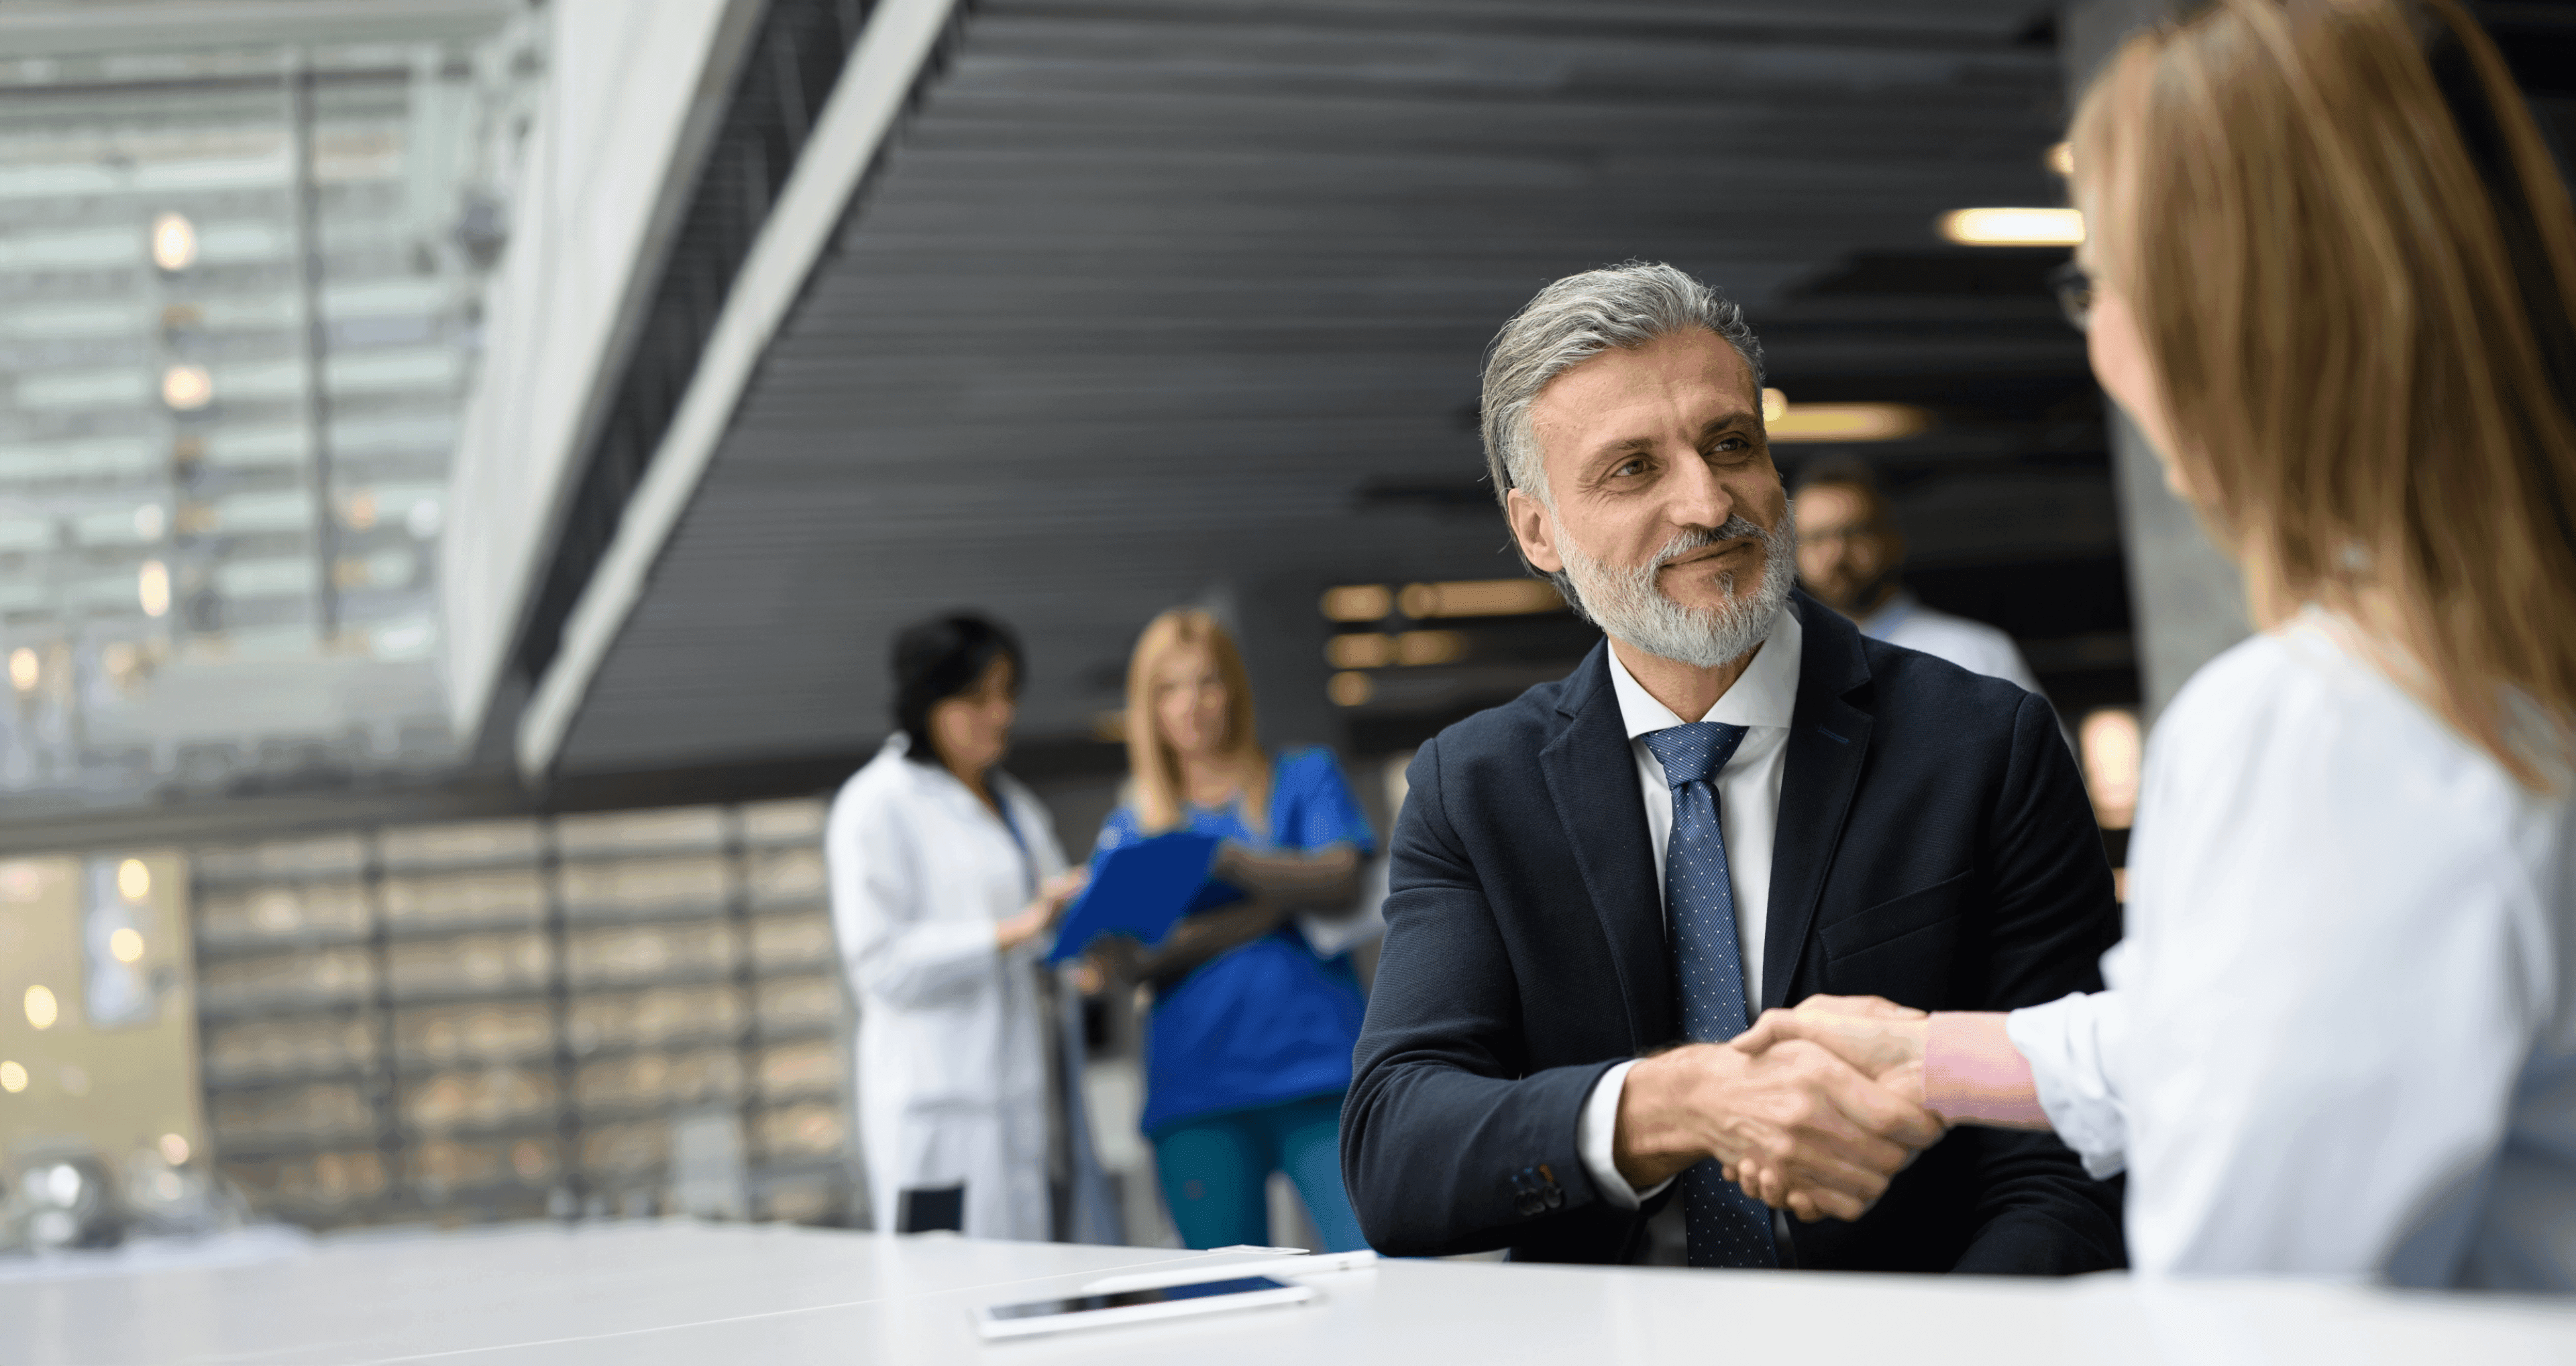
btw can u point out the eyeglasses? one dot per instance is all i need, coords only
(2073, 285)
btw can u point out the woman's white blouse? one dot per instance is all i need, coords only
(2339, 1038)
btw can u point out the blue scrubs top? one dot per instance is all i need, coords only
(1268, 1022)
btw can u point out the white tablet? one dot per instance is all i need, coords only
(1136, 1306)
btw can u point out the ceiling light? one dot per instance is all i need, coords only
(1349, 689)
(126, 945)
(25, 668)
(152, 588)
(174, 1150)
(187, 387)
(13, 1078)
(42, 1008)
(174, 242)
(1430, 647)
(1359, 650)
(1479, 598)
(1774, 403)
(2014, 227)
(133, 880)
(2061, 158)
(1848, 422)
(1357, 602)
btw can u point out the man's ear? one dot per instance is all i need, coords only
(1534, 529)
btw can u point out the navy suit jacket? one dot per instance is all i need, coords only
(1934, 847)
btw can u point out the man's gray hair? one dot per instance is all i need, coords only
(1616, 308)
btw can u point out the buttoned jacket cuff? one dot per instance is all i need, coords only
(1596, 1132)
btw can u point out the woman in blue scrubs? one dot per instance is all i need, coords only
(1248, 1050)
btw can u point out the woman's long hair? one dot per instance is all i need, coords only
(1153, 767)
(2353, 266)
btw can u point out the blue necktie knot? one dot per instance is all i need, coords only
(1694, 753)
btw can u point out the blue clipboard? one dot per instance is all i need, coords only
(1139, 889)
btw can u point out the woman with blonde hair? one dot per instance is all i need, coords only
(2332, 277)
(1249, 1048)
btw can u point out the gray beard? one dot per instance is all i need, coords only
(1629, 604)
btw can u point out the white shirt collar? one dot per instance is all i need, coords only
(1766, 694)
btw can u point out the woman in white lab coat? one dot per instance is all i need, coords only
(946, 880)
(2333, 278)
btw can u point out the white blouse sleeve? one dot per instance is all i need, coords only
(2323, 1002)
(2071, 1045)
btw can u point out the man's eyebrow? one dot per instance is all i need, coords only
(1623, 446)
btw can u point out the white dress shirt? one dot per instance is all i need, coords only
(1972, 645)
(2341, 1034)
(1748, 814)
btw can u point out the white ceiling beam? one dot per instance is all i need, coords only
(863, 107)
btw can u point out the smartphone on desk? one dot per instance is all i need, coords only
(1136, 1306)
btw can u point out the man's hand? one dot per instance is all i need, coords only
(1880, 1039)
(1793, 1110)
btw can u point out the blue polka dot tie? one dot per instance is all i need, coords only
(1727, 1227)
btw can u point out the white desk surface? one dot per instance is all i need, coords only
(646, 1294)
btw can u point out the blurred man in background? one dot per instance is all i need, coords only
(1849, 556)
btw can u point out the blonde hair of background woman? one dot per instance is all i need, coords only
(2346, 323)
(1154, 769)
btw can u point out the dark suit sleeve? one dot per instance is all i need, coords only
(1447, 1146)
(2053, 917)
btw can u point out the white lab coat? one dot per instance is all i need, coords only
(951, 1059)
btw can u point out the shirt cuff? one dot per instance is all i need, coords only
(2068, 1043)
(1596, 1129)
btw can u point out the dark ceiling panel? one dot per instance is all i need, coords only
(1148, 296)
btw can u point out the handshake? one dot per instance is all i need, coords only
(1811, 1110)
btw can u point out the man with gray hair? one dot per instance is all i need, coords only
(1735, 802)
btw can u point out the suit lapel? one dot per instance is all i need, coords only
(1592, 777)
(1828, 743)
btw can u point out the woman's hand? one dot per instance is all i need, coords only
(1119, 960)
(1879, 1038)
(1060, 890)
(1113, 962)
(1295, 878)
(1040, 915)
